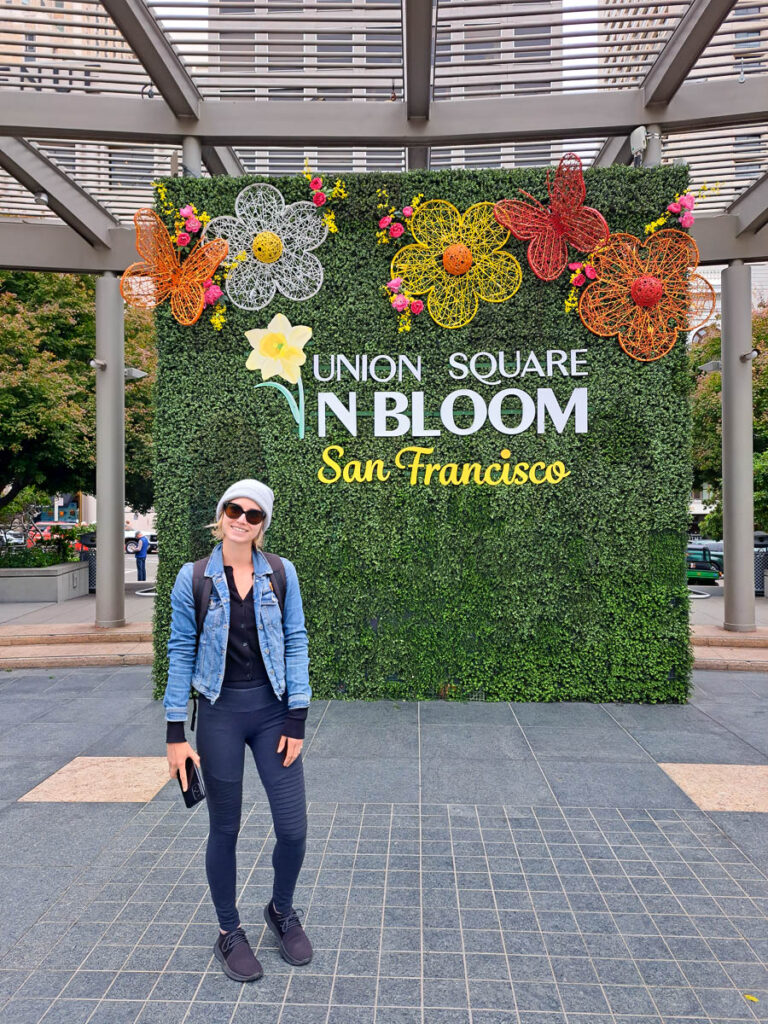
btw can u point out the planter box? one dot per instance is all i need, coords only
(54, 583)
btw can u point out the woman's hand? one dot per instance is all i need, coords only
(292, 749)
(177, 754)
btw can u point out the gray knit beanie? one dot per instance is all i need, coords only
(255, 490)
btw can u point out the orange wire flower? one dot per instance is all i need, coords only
(645, 292)
(161, 273)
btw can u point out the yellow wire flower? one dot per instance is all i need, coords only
(277, 349)
(457, 260)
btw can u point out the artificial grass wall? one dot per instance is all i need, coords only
(573, 591)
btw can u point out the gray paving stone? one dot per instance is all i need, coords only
(245, 1013)
(116, 1011)
(477, 781)
(24, 1011)
(351, 1015)
(70, 1011)
(633, 786)
(162, 1012)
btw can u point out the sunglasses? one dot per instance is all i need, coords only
(253, 516)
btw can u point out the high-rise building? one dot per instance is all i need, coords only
(631, 38)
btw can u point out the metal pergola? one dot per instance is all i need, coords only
(98, 97)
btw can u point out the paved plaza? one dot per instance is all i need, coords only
(467, 864)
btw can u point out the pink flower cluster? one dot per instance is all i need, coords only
(212, 292)
(318, 196)
(396, 228)
(401, 302)
(683, 209)
(191, 226)
(584, 272)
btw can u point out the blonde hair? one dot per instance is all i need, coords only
(218, 533)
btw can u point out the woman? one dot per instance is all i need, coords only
(250, 668)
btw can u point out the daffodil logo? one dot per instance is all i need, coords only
(278, 351)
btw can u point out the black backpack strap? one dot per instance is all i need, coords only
(278, 581)
(201, 592)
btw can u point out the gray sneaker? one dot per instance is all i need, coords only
(295, 947)
(234, 953)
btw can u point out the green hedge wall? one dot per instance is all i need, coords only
(568, 592)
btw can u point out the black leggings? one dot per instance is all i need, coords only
(252, 717)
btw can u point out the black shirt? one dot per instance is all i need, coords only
(244, 665)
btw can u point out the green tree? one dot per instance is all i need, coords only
(47, 388)
(708, 424)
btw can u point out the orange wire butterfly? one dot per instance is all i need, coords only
(551, 228)
(161, 273)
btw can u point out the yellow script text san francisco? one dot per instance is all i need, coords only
(414, 460)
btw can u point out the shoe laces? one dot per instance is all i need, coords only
(289, 920)
(232, 939)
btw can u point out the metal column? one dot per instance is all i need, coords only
(191, 156)
(738, 497)
(417, 158)
(652, 155)
(110, 452)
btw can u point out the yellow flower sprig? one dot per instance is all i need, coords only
(218, 318)
(162, 194)
(656, 224)
(572, 300)
(225, 268)
(329, 219)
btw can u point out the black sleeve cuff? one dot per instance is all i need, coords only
(294, 723)
(174, 732)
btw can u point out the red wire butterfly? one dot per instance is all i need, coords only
(551, 228)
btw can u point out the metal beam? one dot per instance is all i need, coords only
(614, 151)
(515, 118)
(222, 160)
(721, 239)
(417, 23)
(25, 245)
(70, 202)
(156, 53)
(56, 247)
(751, 208)
(679, 54)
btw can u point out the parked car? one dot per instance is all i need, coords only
(711, 551)
(701, 567)
(13, 538)
(37, 534)
(88, 540)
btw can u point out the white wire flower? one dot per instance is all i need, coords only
(270, 245)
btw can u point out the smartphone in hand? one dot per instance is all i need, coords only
(195, 791)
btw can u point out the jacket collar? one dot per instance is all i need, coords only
(215, 567)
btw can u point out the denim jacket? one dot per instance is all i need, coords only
(283, 640)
